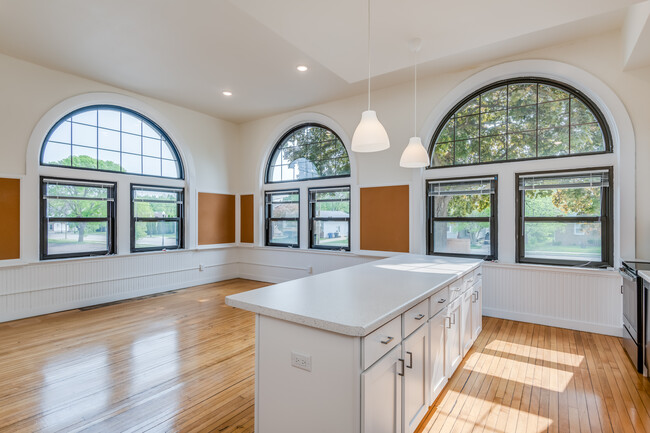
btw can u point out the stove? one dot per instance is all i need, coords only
(635, 313)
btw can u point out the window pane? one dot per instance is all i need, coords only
(62, 133)
(131, 143)
(151, 147)
(563, 241)
(470, 107)
(284, 210)
(283, 232)
(132, 163)
(467, 127)
(84, 135)
(53, 189)
(331, 234)
(495, 99)
(447, 133)
(553, 142)
(522, 119)
(443, 154)
(554, 114)
(131, 124)
(549, 93)
(158, 234)
(563, 202)
(156, 209)
(170, 169)
(462, 237)
(73, 238)
(151, 166)
(334, 204)
(87, 117)
(475, 205)
(109, 160)
(523, 145)
(580, 113)
(84, 157)
(148, 131)
(57, 154)
(522, 94)
(109, 139)
(109, 119)
(493, 123)
(493, 148)
(467, 152)
(587, 138)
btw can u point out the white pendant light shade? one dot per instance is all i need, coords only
(415, 155)
(370, 135)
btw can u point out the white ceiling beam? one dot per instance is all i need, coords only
(636, 36)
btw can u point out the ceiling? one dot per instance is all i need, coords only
(187, 52)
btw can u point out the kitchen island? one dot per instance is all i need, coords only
(361, 349)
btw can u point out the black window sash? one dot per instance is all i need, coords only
(109, 219)
(313, 201)
(268, 198)
(179, 219)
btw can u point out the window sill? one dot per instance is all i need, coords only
(611, 272)
(357, 253)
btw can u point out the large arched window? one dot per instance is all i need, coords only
(111, 138)
(307, 152)
(524, 118)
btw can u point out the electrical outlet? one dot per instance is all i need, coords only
(301, 361)
(310, 270)
(201, 268)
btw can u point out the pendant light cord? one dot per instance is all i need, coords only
(415, 103)
(368, 55)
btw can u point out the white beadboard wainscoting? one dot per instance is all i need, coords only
(47, 287)
(574, 298)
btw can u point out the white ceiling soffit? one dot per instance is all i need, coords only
(636, 35)
(333, 32)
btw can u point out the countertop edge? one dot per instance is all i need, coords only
(352, 331)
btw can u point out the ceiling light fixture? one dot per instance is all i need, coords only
(415, 155)
(370, 135)
(302, 68)
(227, 93)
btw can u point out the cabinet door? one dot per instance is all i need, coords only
(466, 321)
(415, 378)
(477, 310)
(453, 339)
(437, 356)
(381, 388)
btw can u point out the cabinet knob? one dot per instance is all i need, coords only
(442, 301)
(387, 340)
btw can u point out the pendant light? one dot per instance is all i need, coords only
(415, 155)
(370, 135)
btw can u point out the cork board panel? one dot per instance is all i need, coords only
(385, 218)
(10, 219)
(246, 219)
(216, 218)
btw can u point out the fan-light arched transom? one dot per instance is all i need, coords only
(524, 118)
(307, 152)
(111, 138)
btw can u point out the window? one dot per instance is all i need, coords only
(156, 218)
(527, 118)
(329, 218)
(282, 218)
(564, 218)
(309, 151)
(110, 138)
(462, 217)
(77, 218)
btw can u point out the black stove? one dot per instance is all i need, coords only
(635, 313)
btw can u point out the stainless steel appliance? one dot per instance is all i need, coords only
(635, 313)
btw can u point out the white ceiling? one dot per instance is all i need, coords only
(187, 52)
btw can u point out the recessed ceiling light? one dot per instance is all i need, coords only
(227, 93)
(302, 68)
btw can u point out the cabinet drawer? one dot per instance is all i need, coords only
(438, 301)
(380, 341)
(468, 281)
(415, 317)
(455, 288)
(478, 274)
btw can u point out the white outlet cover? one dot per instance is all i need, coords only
(301, 361)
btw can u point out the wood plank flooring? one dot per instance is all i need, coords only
(520, 377)
(185, 362)
(177, 362)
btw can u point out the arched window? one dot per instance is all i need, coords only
(111, 138)
(524, 118)
(306, 152)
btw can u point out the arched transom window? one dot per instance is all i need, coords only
(517, 119)
(309, 151)
(111, 138)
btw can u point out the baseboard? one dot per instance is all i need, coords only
(554, 321)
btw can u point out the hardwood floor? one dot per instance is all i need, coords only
(177, 362)
(185, 362)
(521, 377)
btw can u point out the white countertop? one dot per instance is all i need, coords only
(356, 300)
(645, 275)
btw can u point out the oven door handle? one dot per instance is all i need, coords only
(625, 275)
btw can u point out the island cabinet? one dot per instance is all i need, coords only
(362, 349)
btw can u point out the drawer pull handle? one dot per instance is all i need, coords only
(387, 340)
(477, 295)
(419, 316)
(470, 281)
(474, 298)
(448, 318)
(479, 274)
(442, 301)
(453, 322)
(410, 360)
(402, 361)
